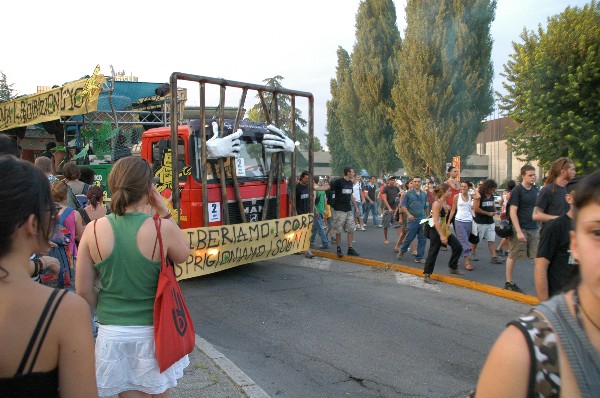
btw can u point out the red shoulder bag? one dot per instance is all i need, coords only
(174, 334)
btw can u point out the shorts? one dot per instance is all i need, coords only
(126, 360)
(388, 220)
(524, 250)
(487, 232)
(344, 221)
(360, 210)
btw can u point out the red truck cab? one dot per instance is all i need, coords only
(252, 174)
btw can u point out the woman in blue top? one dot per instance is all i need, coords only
(120, 249)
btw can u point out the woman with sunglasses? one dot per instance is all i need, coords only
(46, 337)
(120, 249)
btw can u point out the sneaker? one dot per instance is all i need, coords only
(324, 247)
(512, 287)
(496, 260)
(455, 272)
(420, 260)
(474, 257)
(309, 254)
(501, 253)
(400, 254)
(332, 240)
(352, 252)
(379, 226)
(363, 229)
(339, 252)
(427, 279)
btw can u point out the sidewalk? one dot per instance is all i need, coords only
(211, 375)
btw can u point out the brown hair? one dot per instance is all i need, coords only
(60, 190)
(558, 165)
(526, 168)
(129, 180)
(95, 195)
(71, 171)
(441, 189)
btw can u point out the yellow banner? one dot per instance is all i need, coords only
(214, 249)
(75, 98)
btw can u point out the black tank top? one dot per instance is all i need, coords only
(26, 383)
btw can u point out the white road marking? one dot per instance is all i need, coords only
(415, 281)
(317, 262)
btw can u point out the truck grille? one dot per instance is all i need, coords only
(253, 209)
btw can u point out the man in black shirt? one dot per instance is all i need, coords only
(525, 238)
(303, 198)
(551, 201)
(344, 219)
(554, 264)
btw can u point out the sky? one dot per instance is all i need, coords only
(47, 43)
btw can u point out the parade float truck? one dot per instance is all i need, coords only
(232, 197)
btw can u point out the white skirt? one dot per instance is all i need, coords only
(126, 360)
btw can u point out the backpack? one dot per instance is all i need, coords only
(62, 252)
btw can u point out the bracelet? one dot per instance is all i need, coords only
(39, 266)
(169, 215)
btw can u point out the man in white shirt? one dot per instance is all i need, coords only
(357, 192)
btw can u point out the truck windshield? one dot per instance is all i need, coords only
(253, 163)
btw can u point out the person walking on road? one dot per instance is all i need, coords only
(553, 351)
(389, 197)
(343, 216)
(485, 208)
(503, 214)
(370, 205)
(318, 226)
(415, 205)
(462, 206)
(554, 264)
(525, 237)
(440, 234)
(551, 202)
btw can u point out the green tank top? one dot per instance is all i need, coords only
(128, 279)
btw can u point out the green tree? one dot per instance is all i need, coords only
(552, 81)
(443, 89)
(340, 155)
(7, 93)
(366, 95)
(256, 113)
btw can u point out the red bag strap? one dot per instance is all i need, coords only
(96, 238)
(157, 223)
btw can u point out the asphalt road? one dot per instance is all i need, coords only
(329, 328)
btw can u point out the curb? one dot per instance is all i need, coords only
(239, 378)
(481, 287)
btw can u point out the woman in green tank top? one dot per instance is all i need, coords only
(119, 250)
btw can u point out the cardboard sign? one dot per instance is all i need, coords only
(214, 249)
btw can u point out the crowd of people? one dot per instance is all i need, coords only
(460, 214)
(48, 331)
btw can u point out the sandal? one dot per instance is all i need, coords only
(469, 268)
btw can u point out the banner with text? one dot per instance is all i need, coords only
(75, 98)
(214, 249)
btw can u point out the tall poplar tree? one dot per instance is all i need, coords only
(443, 90)
(7, 93)
(336, 142)
(373, 68)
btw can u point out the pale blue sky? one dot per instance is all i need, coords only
(47, 43)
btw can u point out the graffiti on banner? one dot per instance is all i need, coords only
(214, 249)
(71, 99)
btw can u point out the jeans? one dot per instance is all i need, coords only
(371, 208)
(435, 243)
(415, 229)
(318, 228)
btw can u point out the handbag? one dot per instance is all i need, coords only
(474, 235)
(174, 335)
